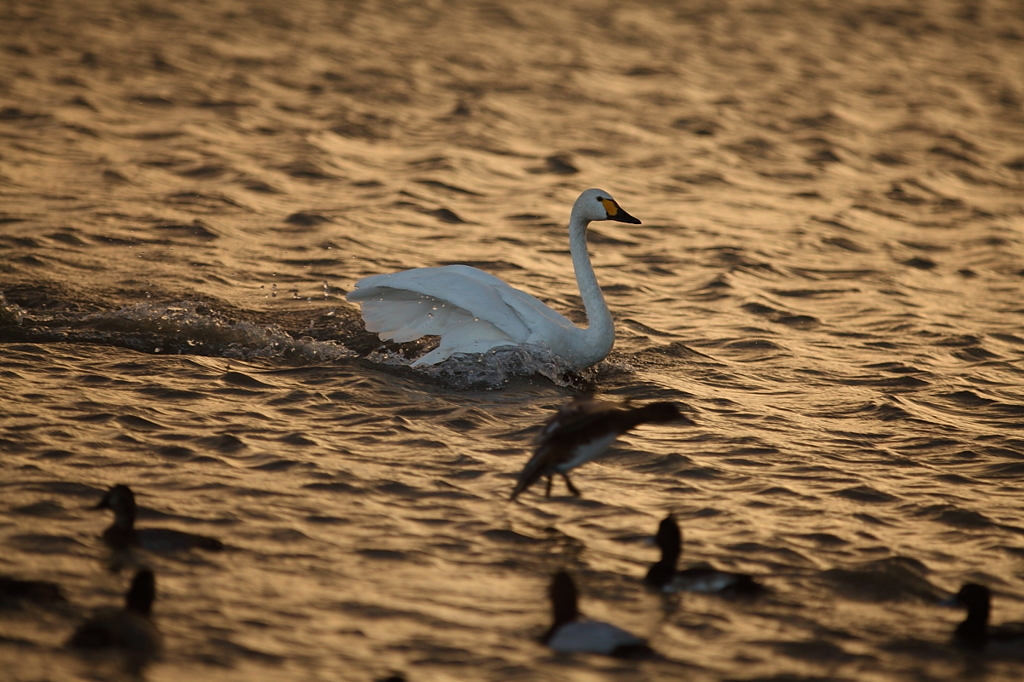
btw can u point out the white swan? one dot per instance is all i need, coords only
(473, 311)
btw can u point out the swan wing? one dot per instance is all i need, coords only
(406, 305)
(402, 316)
(474, 336)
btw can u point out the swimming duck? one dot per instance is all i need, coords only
(473, 311)
(580, 431)
(975, 632)
(122, 534)
(569, 633)
(129, 629)
(665, 577)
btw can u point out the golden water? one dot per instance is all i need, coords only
(828, 276)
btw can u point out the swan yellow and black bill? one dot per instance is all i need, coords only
(615, 212)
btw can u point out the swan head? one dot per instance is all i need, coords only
(596, 204)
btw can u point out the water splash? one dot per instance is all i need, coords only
(184, 327)
(11, 314)
(496, 368)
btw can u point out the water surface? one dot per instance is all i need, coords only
(827, 277)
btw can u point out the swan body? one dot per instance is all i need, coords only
(473, 311)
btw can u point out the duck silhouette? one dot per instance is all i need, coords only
(129, 629)
(122, 533)
(665, 576)
(569, 632)
(975, 632)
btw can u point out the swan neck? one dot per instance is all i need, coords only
(599, 319)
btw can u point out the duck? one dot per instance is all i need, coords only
(975, 632)
(583, 429)
(664, 575)
(570, 633)
(473, 311)
(130, 629)
(122, 534)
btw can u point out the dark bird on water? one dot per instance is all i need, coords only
(570, 632)
(122, 534)
(129, 630)
(975, 632)
(664, 575)
(582, 430)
